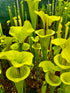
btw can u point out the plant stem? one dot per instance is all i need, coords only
(37, 58)
(64, 21)
(61, 85)
(47, 8)
(32, 7)
(1, 34)
(22, 10)
(44, 46)
(1, 31)
(66, 32)
(52, 89)
(19, 86)
(24, 86)
(43, 8)
(2, 76)
(44, 87)
(20, 46)
(55, 8)
(25, 15)
(40, 68)
(52, 7)
(59, 7)
(2, 89)
(15, 10)
(11, 16)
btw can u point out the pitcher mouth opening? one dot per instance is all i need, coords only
(38, 46)
(65, 78)
(51, 80)
(41, 33)
(13, 74)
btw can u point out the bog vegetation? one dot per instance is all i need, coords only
(41, 44)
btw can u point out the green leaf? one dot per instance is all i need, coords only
(61, 62)
(25, 46)
(67, 89)
(66, 53)
(46, 18)
(65, 78)
(52, 79)
(15, 75)
(2, 89)
(44, 87)
(36, 39)
(21, 32)
(2, 37)
(56, 49)
(17, 58)
(52, 19)
(36, 46)
(67, 29)
(67, 42)
(1, 32)
(42, 15)
(59, 31)
(49, 66)
(15, 46)
(33, 5)
(60, 90)
(6, 40)
(58, 41)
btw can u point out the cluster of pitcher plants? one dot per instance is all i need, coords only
(45, 48)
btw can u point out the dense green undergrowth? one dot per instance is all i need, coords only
(30, 47)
